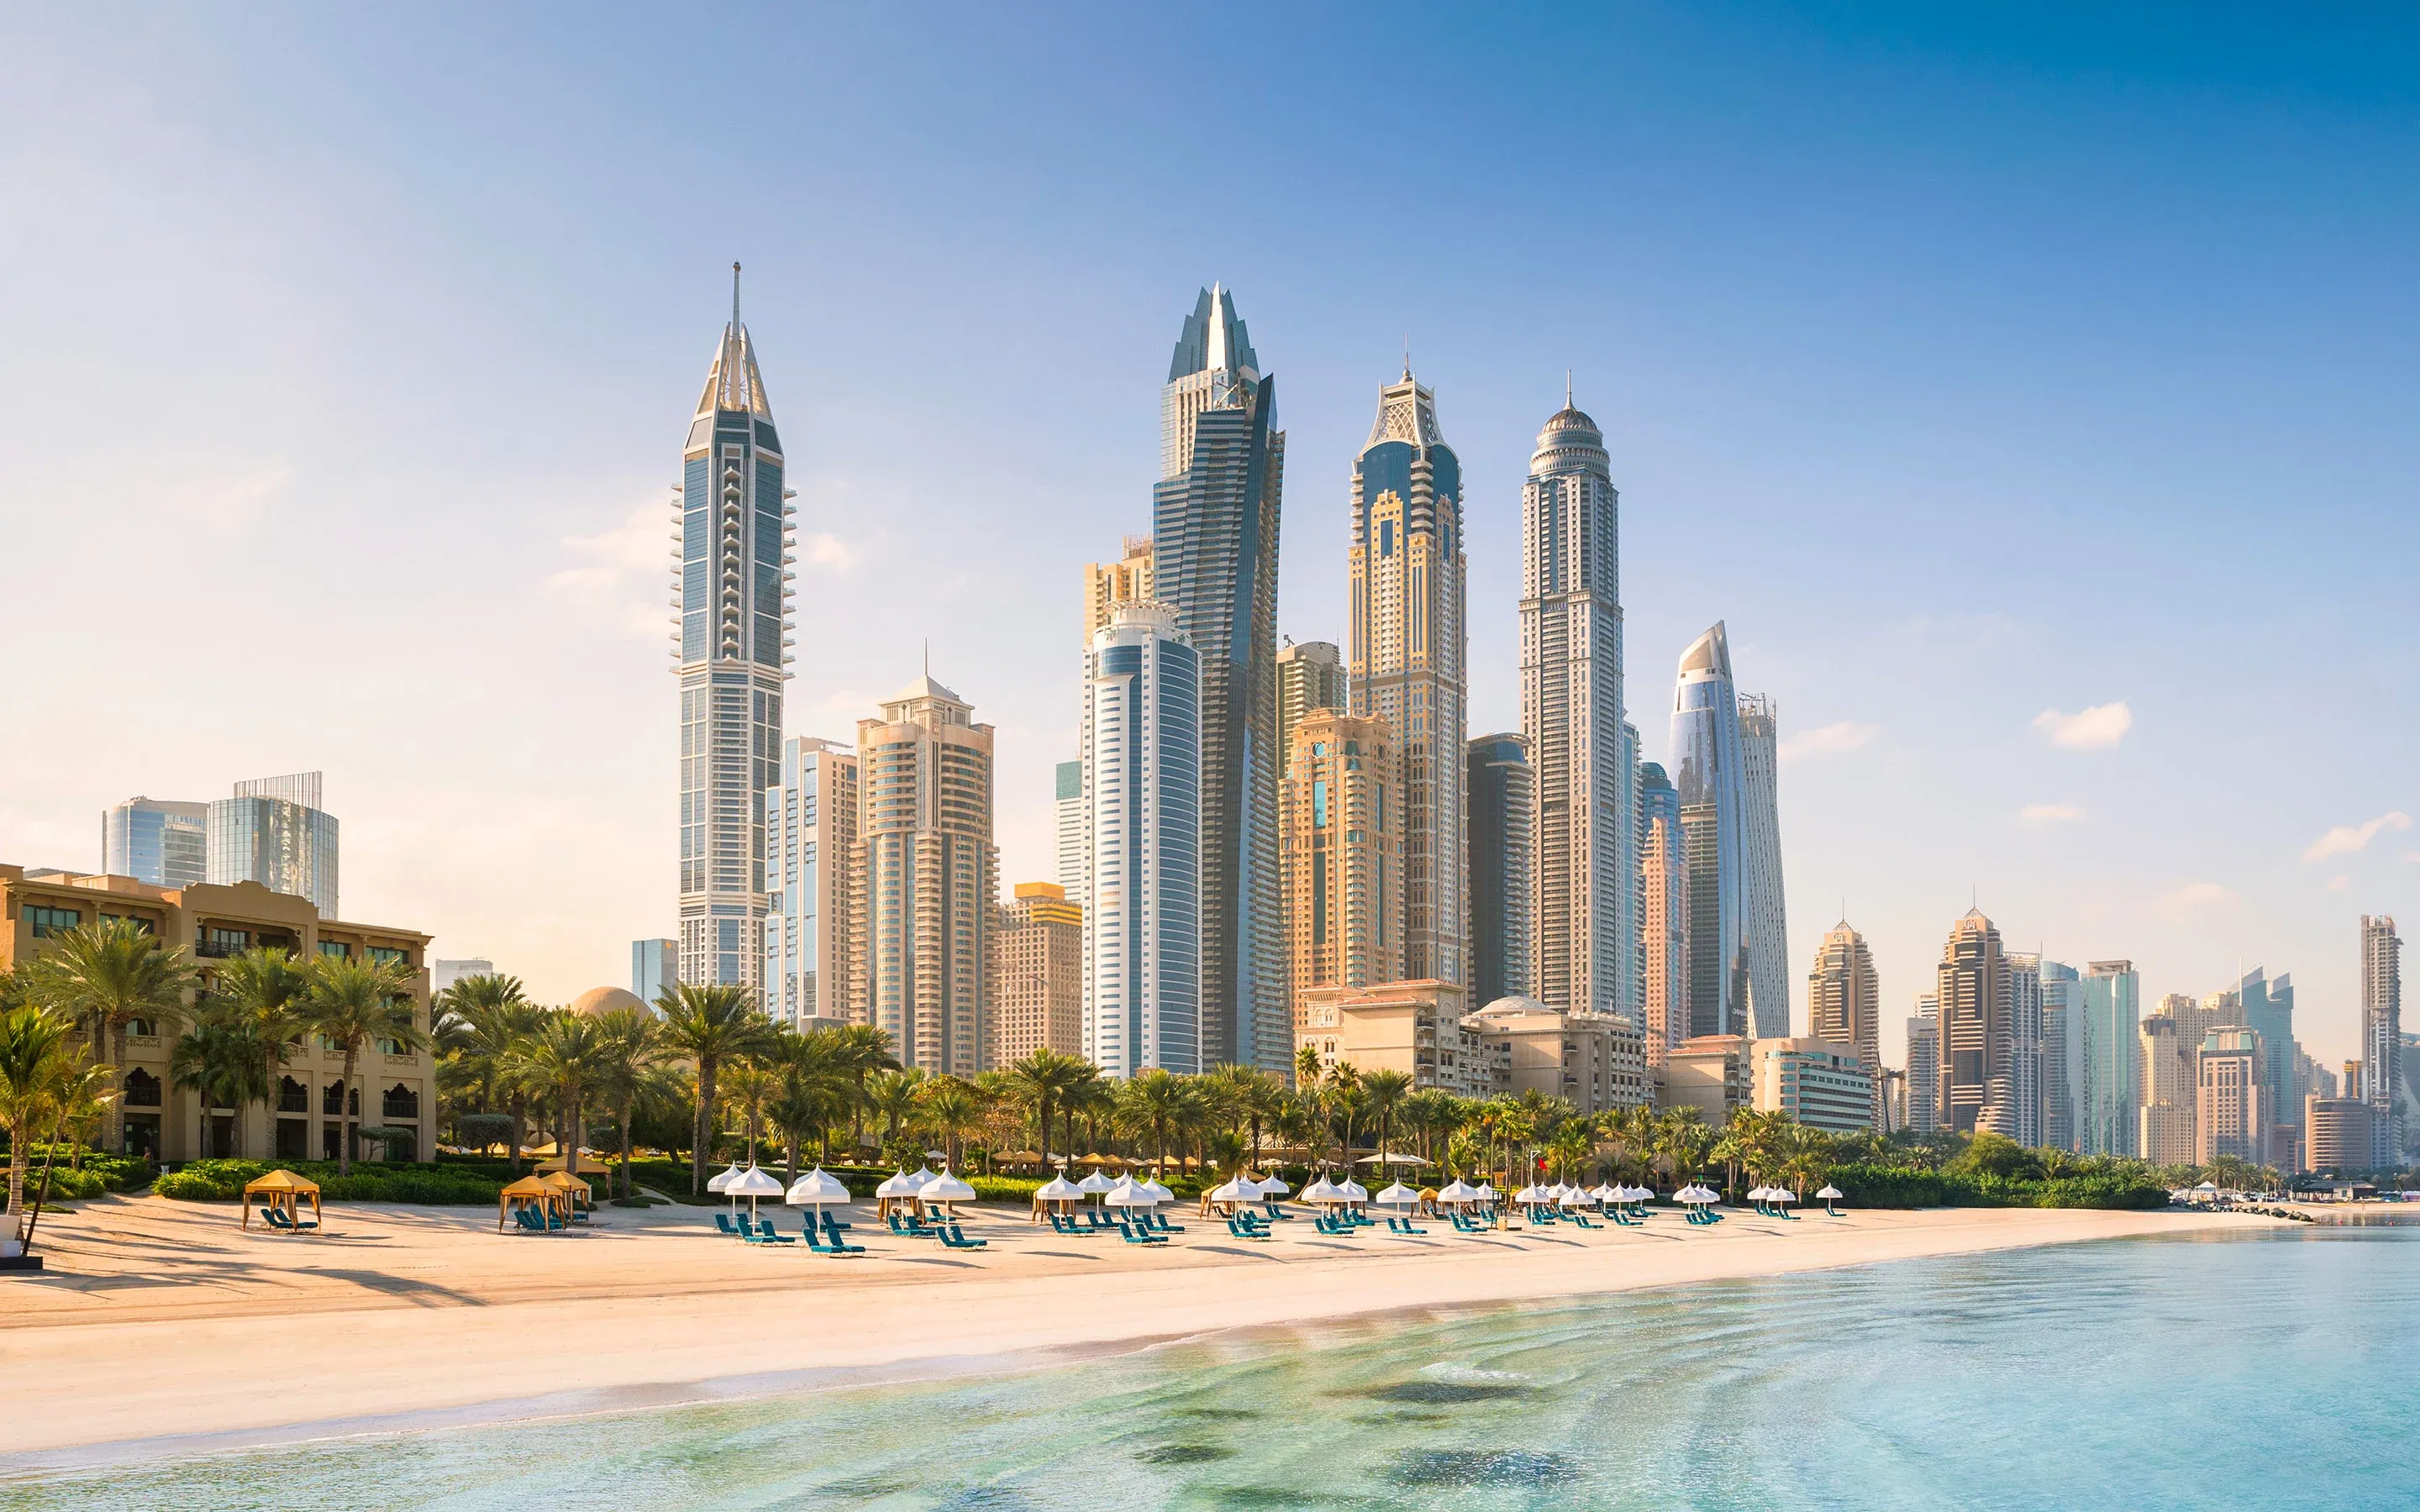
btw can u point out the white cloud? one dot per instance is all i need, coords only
(2195, 898)
(2049, 814)
(1829, 740)
(2339, 883)
(2096, 728)
(2345, 840)
(829, 551)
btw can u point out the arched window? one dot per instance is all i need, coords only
(142, 1089)
(292, 1096)
(332, 1100)
(400, 1101)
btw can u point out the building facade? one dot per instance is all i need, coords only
(1143, 885)
(2025, 1038)
(2231, 1111)
(1972, 988)
(1067, 810)
(1310, 675)
(2381, 1035)
(2170, 1132)
(1714, 1073)
(312, 1112)
(655, 969)
(731, 642)
(1417, 1028)
(1825, 1084)
(1844, 999)
(274, 831)
(1663, 913)
(1405, 606)
(1585, 921)
(444, 974)
(926, 874)
(2336, 1134)
(1595, 1061)
(1924, 1068)
(1038, 960)
(1108, 584)
(1765, 930)
(1710, 785)
(1214, 515)
(1503, 798)
(809, 920)
(1341, 852)
(154, 840)
(2062, 1007)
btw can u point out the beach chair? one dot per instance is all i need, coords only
(1270, 1207)
(1403, 1226)
(1159, 1223)
(721, 1223)
(1252, 1221)
(277, 1219)
(1137, 1233)
(1242, 1229)
(1583, 1220)
(955, 1237)
(766, 1234)
(834, 1243)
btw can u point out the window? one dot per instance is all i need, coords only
(399, 1102)
(142, 1089)
(337, 949)
(384, 956)
(292, 1096)
(333, 1099)
(49, 921)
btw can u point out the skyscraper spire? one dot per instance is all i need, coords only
(734, 293)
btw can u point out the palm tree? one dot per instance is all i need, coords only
(109, 974)
(859, 1050)
(632, 1074)
(948, 1106)
(571, 1055)
(224, 1064)
(353, 1001)
(260, 992)
(1307, 1066)
(1382, 1092)
(893, 1094)
(480, 1020)
(1152, 1100)
(1046, 1076)
(711, 1025)
(750, 1084)
(37, 1059)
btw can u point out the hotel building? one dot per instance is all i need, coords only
(2231, 1112)
(1595, 1061)
(1310, 677)
(1038, 958)
(1844, 1001)
(1663, 913)
(810, 836)
(1417, 1027)
(1977, 1041)
(1340, 813)
(1503, 856)
(1822, 1083)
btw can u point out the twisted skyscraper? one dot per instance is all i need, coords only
(1215, 560)
(735, 603)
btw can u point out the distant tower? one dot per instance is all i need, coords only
(1108, 584)
(273, 831)
(1976, 1025)
(1764, 926)
(1407, 642)
(1503, 856)
(1215, 558)
(1706, 751)
(2025, 1038)
(1586, 915)
(2062, 1051)
(1844, 1000)
(731, 653)
(1924, 1066)
(1664, 913)
(163, 844)
(1310, 675)
(810, 837)
(1038, 959)
(1069, 809)
(2381, 1035)
(1341, 807)
(1143, 776)
(927, 871)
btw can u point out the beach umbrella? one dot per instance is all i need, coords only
(1607, 1191)
(899, 1188)
(818, 1188)
(1457, 1191)
(1397, 1195)
(1273, 1186)
(1095, 1184)
(947, 1187)
(1386, 1158)
(1321, 1190)
(1354, 1191)
(1573, 1197)
(1782, 1193)
(1240, 1189)
(1058, 1189)
(1829, 1196)
(1487, 1192)
(1529, 1196)
(1150, 1187)
(721, 1182)
(752, 1183)
(1126, 1194)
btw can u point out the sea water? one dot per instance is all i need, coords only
(2247, 1369)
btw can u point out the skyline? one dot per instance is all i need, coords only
(2097, 750)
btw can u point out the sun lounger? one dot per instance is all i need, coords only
(721, 1225)
(835, 1245)
(767, 1235)
(951, 1236)
(1241, 1230)
(1137, 1233)
(1403, 1226)
(1159, 1223)
(1274, 1212)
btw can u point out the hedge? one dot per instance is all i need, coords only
(223, 1180)
(1905, 1186)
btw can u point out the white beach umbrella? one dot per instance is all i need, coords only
(901, 1185)
(947, 1187)
(1829, 1194)
(1149, 1186)
(923, 1179)
(1529, 1195)
(816, 1189)
(1573, 1197)
(1252, 1190)
(1124, 1195)
(752, 1183)
(1273, 1186)
(1353, 1190)
(721, 1180)
(1783, 1193)
(1398, 1195)
(1607, 1191)
(1095, 1185)
(1058, 1189)
(1240, 1189)
(1321, 1190)
(1458, 1191)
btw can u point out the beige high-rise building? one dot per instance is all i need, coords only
(1038, 960)
(927, 877)
(1407, 575)
(1108, 584)
(2168, 1133)
(1341, 857)
(1844, 998)
(1974, 991)
(1663, 913)
(1309, 676)
(2231, 1116)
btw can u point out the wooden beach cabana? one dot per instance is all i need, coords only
(280, 1192)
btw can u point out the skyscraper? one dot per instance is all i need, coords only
(2268, 1011)
(1069, 809)
(2107, 1082)
(927, 877)
(1764, 926)
(1038, 960)
(150, 840)
(2025, 1045)
(810, 839)
(2231, 1112)
(273, 831)
(655, 966)
(1108, 584)
(1663, 914)
(444, 974)
(1215, 514)
(2062, 1037)
(1142, 913)
(1406, 650)
(1503, 798)
(731, 651)
(1976, 1038)
(1586, 922)
(1924, 1066)
(1844, 1001)
(2381, 1035)
(2169, 1048)
(1310, 675)
(1341, 806)
(1711, 783)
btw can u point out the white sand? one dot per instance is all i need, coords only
(160, 1319)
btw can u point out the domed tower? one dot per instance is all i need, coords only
(1584, 924)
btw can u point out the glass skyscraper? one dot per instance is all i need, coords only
(272, 831)
(1706, 755)
(733, 653)
(1404, 647)
(2105, 1057)
(810, 830)
(1503, 850)
(1215, 514)
(163, 844)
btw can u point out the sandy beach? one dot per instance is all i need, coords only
(161, 1320)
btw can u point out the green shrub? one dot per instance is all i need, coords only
(223, 1180)
(1903, 1186)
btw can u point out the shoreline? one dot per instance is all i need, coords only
(441, 1330)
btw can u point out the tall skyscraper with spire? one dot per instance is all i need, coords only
(731, 653)
(1586, 927)
(1215, 559)
(1405, 651)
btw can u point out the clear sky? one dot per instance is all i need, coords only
(1981, 372)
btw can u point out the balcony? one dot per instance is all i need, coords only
(219, 949)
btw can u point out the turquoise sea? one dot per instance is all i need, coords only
(2234, 1371)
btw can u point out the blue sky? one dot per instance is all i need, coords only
(1975, 369)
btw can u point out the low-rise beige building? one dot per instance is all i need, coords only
(309, 1106)
(1594, 1061)
(1711, 1072)
(1815, 1082)
(1417, 1028)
